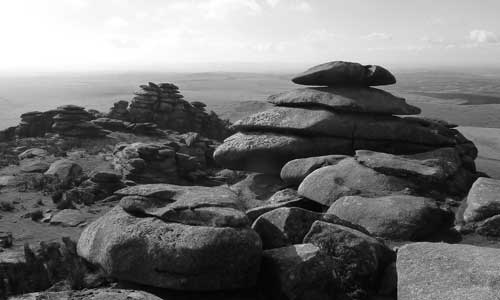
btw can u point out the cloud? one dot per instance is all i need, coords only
(433, 40)
(481, 36)
(273, 3)
(117, 22)
(219, 9)
(302, 6)
(377, 36)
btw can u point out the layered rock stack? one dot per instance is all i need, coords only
(179, 162)
(74, 121)
(119, 110)
(163, 105)
(35, 124)
(339, 116)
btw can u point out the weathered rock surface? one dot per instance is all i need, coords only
(398, 217)
(298, 272)
(434, 166)
(33, 153)
(483, 200)
(68, 218)
(74, 121)
(33, 165)
(347, 178)
(150, 251)
(90, 294)
(428, 271)
(192, 205)
(284, 198)
(173, 162)
(64, 170)
(294, 171)
(337, 73)
(267, 153)
(319, 122)
(359, 257)
(287, 226)
(345, 99)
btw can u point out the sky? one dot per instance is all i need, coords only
(244, 35)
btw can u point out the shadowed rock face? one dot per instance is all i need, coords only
(428, 271)
(346, 99)
(345, 73)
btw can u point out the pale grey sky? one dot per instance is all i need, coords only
(200, 35)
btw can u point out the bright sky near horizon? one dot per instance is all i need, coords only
(201, 35)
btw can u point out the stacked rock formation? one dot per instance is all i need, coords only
(181, 161)
(74, 121)
(341, 116)
(119, 110)
(35, 123)
(163, 105)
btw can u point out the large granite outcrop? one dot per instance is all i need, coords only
(163, 104)
(345, 116)
(182, 238)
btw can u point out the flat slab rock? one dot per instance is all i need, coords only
(430, 271)
(68, 218)
(397, 217)
(337, 73)
(268, 152)
(321, 122)
(190, 205)
(483, 200)
(346, 99)
(435, 165)
(149, 251)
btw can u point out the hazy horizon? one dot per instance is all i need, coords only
(244, 35)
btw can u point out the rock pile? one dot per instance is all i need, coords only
(99, 186)
(181, 161)
(163, 105)
(74, 121)
(344, 116)
(193, 238)
(119, 110)
(34, 124)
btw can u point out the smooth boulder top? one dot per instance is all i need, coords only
(347, 178)
(319, 122)
(346, 99)
(430, 271)
(338, 73)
